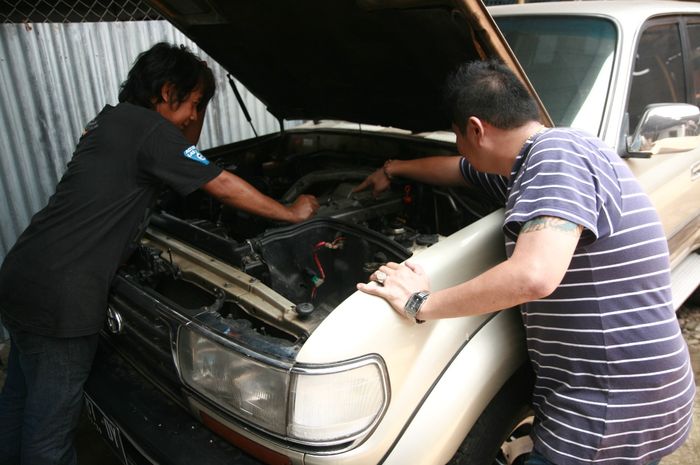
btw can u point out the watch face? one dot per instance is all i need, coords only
(414, 303)
(411, 305)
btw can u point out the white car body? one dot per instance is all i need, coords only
(441, 376)
(434, 410)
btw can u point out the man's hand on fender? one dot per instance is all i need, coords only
(396, 282)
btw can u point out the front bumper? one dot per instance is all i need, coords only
(144, 426)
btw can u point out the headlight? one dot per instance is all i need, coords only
(252, 390)
(317, 405)
(338, 403)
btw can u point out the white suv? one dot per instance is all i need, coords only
(226, 324)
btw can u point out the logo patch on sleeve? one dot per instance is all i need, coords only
(192, 153)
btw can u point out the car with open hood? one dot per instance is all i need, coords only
(233, 339)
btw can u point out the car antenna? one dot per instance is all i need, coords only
(232, 83)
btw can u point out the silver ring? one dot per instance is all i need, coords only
(380, 277)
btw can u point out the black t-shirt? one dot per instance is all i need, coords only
(55, 280)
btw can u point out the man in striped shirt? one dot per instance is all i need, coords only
(587, 263)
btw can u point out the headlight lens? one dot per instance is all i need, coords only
(244, 386)
(319, 405)
(336, 405)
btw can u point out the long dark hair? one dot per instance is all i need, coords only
(167, 63)
(490, 91)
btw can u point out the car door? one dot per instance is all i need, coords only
(665, 71)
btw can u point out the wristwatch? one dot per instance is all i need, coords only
(414, 303)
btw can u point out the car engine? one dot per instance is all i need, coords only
(281, 281)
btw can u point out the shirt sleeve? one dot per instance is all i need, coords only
(557, 179)
(170, 158)
(492, 184)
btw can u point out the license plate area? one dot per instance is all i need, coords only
(107, 428)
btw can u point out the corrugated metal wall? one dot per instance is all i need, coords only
(55, 77)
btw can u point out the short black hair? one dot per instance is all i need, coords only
(167, 63)
(491, 92)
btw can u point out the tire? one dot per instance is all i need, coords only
(694, 298)
(498, 422)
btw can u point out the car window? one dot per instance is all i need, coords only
(694, 40)
(658, 75)
(569, 62)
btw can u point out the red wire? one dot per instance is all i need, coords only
(318, 264)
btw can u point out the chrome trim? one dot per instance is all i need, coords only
(115, 322)
(695, 171)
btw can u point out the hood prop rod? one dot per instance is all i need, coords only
(232, 83)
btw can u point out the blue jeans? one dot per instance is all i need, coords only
(537, 459)
(42, 398)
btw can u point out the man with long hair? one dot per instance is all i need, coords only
(55, 281)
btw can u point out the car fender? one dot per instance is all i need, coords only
(415, 356)
(461, 394)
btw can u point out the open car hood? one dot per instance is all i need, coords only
(370, 61)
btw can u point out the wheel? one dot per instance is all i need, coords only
(500, 436)
(694, 298)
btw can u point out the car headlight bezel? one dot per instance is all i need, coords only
(296, 374)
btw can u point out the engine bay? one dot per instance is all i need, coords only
(313, 266)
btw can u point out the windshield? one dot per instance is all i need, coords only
(569, 62)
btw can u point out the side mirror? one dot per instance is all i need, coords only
(665, 128)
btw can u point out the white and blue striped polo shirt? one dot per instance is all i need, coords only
(614, 383)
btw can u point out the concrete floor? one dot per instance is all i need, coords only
(93, 451)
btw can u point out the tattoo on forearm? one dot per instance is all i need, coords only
(551, 222)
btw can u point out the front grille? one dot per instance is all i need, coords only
(147, 337)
